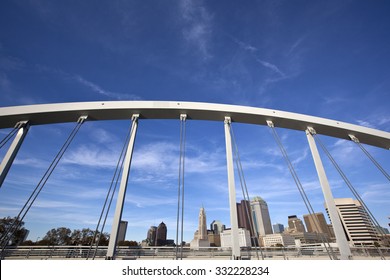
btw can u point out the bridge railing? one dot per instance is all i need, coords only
(124, 252)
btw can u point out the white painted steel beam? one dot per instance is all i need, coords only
(232, 192)
(114, 110)
(341, 239)
(122, 191)
(13, 150)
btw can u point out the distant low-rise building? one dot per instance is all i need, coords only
(244, 239)
(278, 239)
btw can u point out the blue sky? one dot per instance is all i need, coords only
(322, 58)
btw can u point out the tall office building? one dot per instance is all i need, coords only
(201, 237)
(317, 223)
(356, 222)
(278, 228)
(151, 236)
(161, 234)
(243, 215)
(217, 227)
(295, 224)
(261, 217)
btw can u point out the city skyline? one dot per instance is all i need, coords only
(327, 59)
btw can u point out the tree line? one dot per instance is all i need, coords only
(55, 237)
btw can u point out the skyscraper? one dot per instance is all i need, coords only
(317, 223)
(295, 224)
(278, 228)
(356, 222)
(201, 238)
(151, 236)
(217, 227)
(261, 217)
(243, 210)
(161, 234)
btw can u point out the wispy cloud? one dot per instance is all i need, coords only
(295, 46)
(245, 46)
(197, 28)
(302, 157)
(98, 89)
(365, 123)
(271, 67)
(91, 156)
(31, 162)
(377, 121)
(145, 201)
(93, 86)
(4, 82)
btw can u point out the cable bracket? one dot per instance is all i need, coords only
(21, 124)
(135, 117)
(82, 119)
(270, 124)
(311, 130)
(354, 138)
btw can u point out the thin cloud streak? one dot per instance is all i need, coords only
(98, 89)
(245, 46)
(197, 29)
(272, 67)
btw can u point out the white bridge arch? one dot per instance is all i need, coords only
(115, 110)
(21, 117)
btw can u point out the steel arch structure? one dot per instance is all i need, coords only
(21, 117)
(115, 110)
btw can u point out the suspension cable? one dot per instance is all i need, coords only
(301, 190)
(17, 126)
(8, 137)
(356, 140)
(110, 194)
(180, 189)
(245, 194)
(26, 207)
(350, 186)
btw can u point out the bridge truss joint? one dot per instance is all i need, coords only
(311, 130)
(270, 124)
(354, 138)
(82, 119)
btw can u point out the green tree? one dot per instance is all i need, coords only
(82, 237)
(58, 236)
(28, 243)
(128, 243)
(7, 226)
(85, 236)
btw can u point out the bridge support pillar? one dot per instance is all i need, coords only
(345, 251)
(9, 157)
(232, 192)
(122, 191)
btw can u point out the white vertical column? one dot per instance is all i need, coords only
(122, 191)
(232, 192)
(345, 251)
(13, 150)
